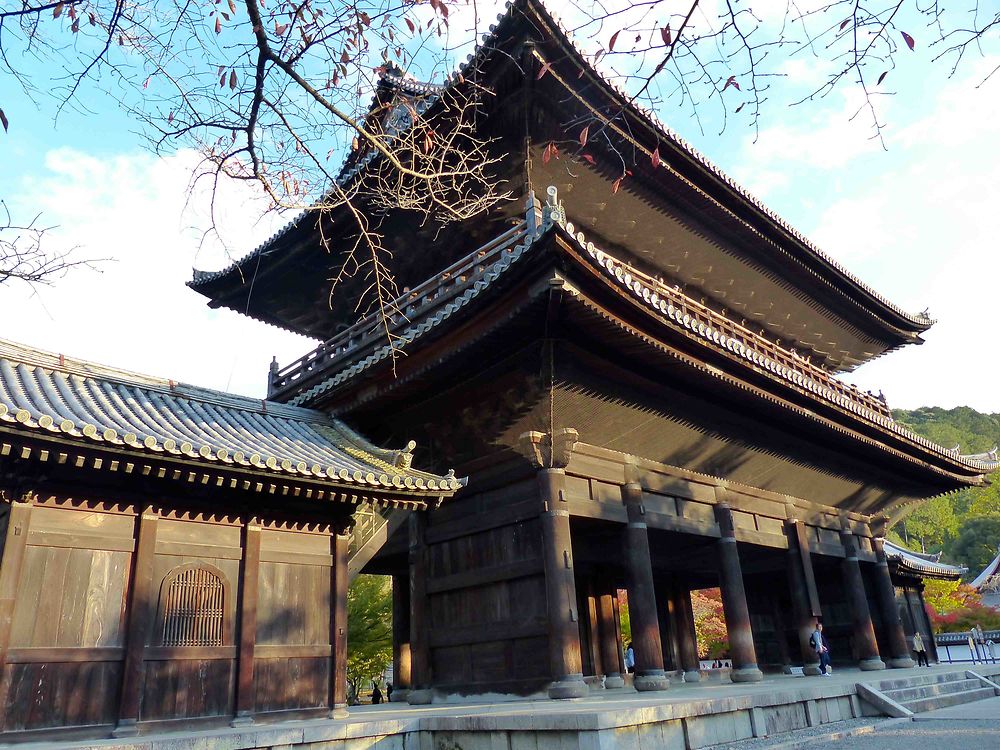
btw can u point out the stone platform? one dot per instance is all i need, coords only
(685, 717)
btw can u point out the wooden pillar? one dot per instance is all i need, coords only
(420, 659)
(857, 601)
(687, 638)
(140, 620)
(565, 659)
(340, 544)
(805, 604)
(734, 601)
(930, 643)
(899, 651)
(18, 524)
(249, 583)
(608, 635)
(590, 630)
(649, 674)
(400, 638)
(668, 625)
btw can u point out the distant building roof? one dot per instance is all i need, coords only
(77, 401)
(923, 564)
(989, 579)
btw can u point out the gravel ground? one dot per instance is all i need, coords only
(968, 734)
(761, 743)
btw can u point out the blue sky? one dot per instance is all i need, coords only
(918, 221)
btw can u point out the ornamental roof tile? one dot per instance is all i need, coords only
(88, 403)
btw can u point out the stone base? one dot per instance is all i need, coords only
(242, 720)
(419, 697)
(655, 679)
(570, 686)
(398, 695)
(692, 676)
(339, 711)
(676, 677)
(812, 670)
(748, 673)
(126, 728)
(904, 662)
(871, 665)
(613, 682)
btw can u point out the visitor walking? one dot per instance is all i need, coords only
(818, 641)
(376, 694)
(629, 658)
(920, 649)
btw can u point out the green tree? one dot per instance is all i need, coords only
(977, 542)
(369, 630)
(931, 525)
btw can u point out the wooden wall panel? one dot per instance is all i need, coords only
(187, 688)
(163, 564)
(291, 683)
(293, 605)
(70, 597)
(62, 694)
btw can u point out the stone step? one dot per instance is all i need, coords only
(920, 679)
(902, 695)
(948, 699)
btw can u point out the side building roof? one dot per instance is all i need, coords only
(989, 578)
(72, 401)
(917, 563)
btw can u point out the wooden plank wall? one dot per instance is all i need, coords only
(486, 592)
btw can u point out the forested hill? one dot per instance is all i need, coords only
(965, 526)
(974, 431)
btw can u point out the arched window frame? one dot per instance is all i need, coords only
(227, 617)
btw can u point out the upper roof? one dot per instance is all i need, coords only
(830, 313)
(924, 565)
(83, 402)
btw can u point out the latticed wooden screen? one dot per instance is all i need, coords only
(193, 609)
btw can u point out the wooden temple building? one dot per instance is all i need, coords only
(638, 377)
(174, 555)
(638, 374)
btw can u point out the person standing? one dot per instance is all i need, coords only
(920, 649)
(629, 658)
(376, 694)
(818, 641)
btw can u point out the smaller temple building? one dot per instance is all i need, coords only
(173, 555)
(987, 583)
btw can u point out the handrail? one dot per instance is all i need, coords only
(433, 292)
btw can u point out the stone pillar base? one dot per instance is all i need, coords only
(242, 720)
(903, 662)
(749, 673)
(614, 681)
(420, 697)
(399, 695)
(692, 675)
(570, 686)
(873, 664)
(339, 711)
(126, 728)
(654, 679)
(812, 670)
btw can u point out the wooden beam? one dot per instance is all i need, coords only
(338, 624)
(140, 614)
(18, 525)
(249, 581)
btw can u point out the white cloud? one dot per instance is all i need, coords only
(137, 314)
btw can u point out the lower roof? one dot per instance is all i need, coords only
(49, 395)
(920, 564)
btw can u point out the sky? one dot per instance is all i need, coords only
(917, 218)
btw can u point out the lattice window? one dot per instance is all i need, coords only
(192, 608)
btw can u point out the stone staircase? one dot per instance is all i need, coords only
(906, 696)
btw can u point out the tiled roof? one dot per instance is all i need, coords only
(988, 578)
(919, 563)
(514, 9)
(87, 403)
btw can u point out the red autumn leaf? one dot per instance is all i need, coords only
(655, 157)
(93, 18)
(616, 185)
(598, 55)
(614, 38)
(881, 78)
(588, 158)
(4, 121)
(844, 24)
(411, 26)
(546, 67)
(170, 117)
(232, 79)
(280, 30)
(908, 39)
(583, 135)
(222, 79)
(218, 25)
(731, 81)
(665, 34)
(57, 11)
(232, 7)
(76, 26)
(740, 107)
(547, 154)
